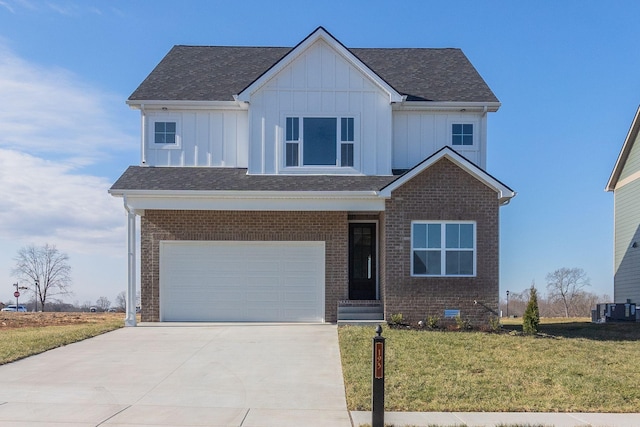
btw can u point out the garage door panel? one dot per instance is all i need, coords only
(242, 281)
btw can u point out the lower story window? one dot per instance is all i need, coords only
(443, 248)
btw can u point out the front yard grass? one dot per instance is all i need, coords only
(49, 331)
(569, 367)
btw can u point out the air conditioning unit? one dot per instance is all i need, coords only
(614, 312)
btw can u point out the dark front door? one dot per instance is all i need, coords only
(362, 261)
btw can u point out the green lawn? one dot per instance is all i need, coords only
(569, 367)
(22, 342)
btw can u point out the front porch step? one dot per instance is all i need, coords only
(355, 310)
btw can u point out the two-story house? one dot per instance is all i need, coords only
(624, 182)
(303, 184)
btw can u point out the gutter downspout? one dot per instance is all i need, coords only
(130, 310)
(143, 136)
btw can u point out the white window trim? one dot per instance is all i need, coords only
(475, 141)
(443, 248)
(152, 120)
(320, 169)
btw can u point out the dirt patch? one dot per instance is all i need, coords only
(12, 320)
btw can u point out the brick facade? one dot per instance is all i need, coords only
(442, 192)
(330, 227)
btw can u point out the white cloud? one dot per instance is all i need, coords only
(48, 111)
(42, 201)
(55, 129)
(7, 6)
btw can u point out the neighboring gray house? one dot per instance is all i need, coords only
(303, 184)
(625, 184)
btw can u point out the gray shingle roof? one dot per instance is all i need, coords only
(216, 73)
(232, 179)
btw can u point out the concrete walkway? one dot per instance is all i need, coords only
(258, 375)
(492, 419)
(245, 375)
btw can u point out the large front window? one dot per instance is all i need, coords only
(443, 248)
(313, 141)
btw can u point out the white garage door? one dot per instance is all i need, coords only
(242, 281)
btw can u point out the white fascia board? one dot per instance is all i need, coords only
(252, 200)
(632, 134)
(479, 107)
(319, 34)
(187, 105)
(505, 194)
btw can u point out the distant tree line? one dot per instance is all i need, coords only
(100, 305)
(565, 297)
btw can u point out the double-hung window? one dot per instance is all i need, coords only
(461, 134)
(443, 248)
(292, 141)
(346, 141)
(313, 141)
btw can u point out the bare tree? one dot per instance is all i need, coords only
(46, 269)
(121, 301)
(103, 303)
(565, 287)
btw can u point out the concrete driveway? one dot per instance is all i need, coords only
(182, 375)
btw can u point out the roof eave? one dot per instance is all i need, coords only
(458, 106)
(154, 104)
(245, 194)
(504, 193)
(632, 134)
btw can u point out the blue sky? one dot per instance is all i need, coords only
(566, 73)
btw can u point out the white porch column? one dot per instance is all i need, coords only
(130, 319)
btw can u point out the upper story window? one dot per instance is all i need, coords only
(313, 141)
(461, 134)
(443, 248)
(346, 141)
(164, 133)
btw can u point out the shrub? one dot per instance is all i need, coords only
(396, 319)
(531, 317)
(432, 322)
(462, 324)
(494, 323)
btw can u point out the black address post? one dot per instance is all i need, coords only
(377, 382)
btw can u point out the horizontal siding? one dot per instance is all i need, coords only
(632, 165)
(627, 231)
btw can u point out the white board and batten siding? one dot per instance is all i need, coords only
(627, 229)
(417, 135)
(205, 138)
(320, 82)
(242, 281)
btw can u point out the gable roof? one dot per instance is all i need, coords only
(217, 73)
(505, 194)
(319, 34)
(624, 152)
